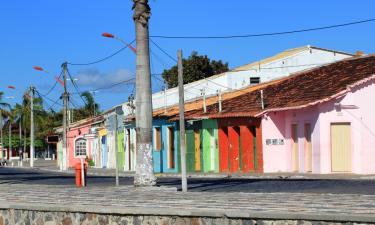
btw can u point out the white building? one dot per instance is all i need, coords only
(274, 67)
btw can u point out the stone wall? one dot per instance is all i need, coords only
(26, 217)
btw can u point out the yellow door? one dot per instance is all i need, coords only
(341, 151)
(295, 160)
(308, 148)
(197, 150)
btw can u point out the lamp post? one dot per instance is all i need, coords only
(109, 35)
(64, 165)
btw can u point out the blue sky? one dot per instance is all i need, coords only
(47, 33)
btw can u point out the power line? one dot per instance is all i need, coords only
(109, 86)
(76, 87)
(54, 102)
(265, 34)
(162, 50)
(102, 59)
(54, 86)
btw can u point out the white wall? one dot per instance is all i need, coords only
(306, 59)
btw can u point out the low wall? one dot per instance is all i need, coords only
(29, 217)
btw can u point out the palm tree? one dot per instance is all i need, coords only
(144, 175)
(91, 108)
(4, 113)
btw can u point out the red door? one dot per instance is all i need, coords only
(247, 143)
(223, 149)
(234, 162)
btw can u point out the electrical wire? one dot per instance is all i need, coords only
(162, 50)
(102, 59)
(109, 86)
(76, 87)
(54, 86)
(265, 34)
(55, 102)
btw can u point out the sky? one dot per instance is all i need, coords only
(47, 33)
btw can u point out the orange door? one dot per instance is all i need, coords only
(234, 161)
(197, 144)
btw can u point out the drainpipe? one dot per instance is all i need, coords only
(262, 99)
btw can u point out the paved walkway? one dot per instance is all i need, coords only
(128, 200)
(50, 165)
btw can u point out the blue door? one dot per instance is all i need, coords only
(104, 151)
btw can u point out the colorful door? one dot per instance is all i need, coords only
(295, 155)
(223, 149)
(190, 151)
(171, 150)
(234, 149)
(197, 148)
(308, 148)
(104, 151)
(341, 151)
(247, 144)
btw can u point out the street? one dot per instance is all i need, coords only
(27, 176)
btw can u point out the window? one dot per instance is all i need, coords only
(157, 138)
(254, 80)
(80, 147)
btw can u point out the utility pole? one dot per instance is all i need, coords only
(10, 137)
(1, 134)
(116, 149)
(32, 90)
(204, 100)
(65, 106)
(220, 105)
(118, 112)
(20, 145)
(144, 172)
(182, 121)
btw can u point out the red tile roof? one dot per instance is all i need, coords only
(299, 90)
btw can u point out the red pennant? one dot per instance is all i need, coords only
(11, 87)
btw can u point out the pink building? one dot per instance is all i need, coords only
(82, 140)
(322, 120)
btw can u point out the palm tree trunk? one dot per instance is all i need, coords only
(20, 133)
(144, 175)
(10, 139)
(24, 139)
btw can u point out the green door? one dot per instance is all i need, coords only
(190, 151)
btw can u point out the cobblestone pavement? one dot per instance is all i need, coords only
(159, 201)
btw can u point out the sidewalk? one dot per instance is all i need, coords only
(50, 166)
(126, 200)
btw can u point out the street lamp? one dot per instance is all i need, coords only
(109, 35)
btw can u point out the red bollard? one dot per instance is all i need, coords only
(78, 175)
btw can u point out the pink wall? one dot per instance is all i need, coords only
(278, 158)
(73, 134)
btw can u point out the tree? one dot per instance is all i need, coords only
(196, 67)
(144, 174)
(4, 113)
(91, 107)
